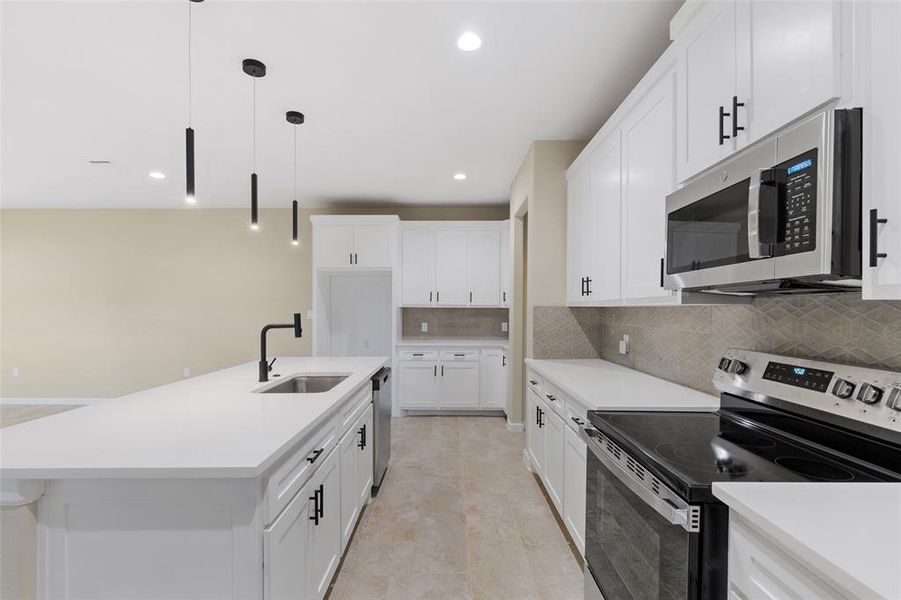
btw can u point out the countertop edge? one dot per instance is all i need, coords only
(800, 551)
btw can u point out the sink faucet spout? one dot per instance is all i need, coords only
(264, 365)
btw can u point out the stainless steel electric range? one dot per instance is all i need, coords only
(653, 529)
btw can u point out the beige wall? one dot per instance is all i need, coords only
(100, 303)
(539, 191)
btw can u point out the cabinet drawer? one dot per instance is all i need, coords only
(354, 408)
(418, 355)
(535, 383)
(287, 478)
(452, 355)
(576, 415)
(554, 397)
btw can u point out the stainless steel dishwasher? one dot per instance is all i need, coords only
(381, 425)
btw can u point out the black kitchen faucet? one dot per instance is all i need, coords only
(265, 365)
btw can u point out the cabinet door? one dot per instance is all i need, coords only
(788, 62)
(506, 269)
(580, 235)
(483, 267)
(553, 457)
(324, 549)
(417, 383)
(604, 220)
(365, 466)
(706, 83)
(418, 267)
(349, 451)
(882, 152)
(459, 384)
(535, 430)
(372, 246)
(574, 478)
(285, 545)
(493, 379)
(648, 176)
(334, 245)
(450, 268)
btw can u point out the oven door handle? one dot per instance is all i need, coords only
(669, 506)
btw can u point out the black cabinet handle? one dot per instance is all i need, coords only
(356, 259)
(577, 421)
(723, 115)
(504, 360)
(316, 453)
(551, 397)
(442, 370)
(436, 371)
(661, 272)
(418, 354)
(317, 505)
(430, 296)
(537, 416)
(875, 221)
(504, 296)
(588, 286)
(362, 431)
(437, 296)
(583, 287)
(735, 106)
(533, 382)
(540, 418)
(350, 257)
(470, 297)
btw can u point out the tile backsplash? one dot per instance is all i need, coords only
(454, 322)
(682, 343)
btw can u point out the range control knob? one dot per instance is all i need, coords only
(737, 367)
(869, 394)
(894, 399)
(843, 388)
(724, 364)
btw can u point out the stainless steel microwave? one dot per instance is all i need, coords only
(782, 216)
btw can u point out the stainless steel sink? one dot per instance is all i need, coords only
(305, 384)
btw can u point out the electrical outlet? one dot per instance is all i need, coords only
(625, 345)
(504, 327)
(424, 326)
(187, 372)
(15, 371)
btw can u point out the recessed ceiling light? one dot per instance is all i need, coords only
(157, 175)
(469, 42)
(459, 176)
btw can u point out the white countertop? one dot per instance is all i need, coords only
(213, 425)
(850, 533)
(600, 384)
(454, 342)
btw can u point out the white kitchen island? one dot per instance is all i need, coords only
(204, 488)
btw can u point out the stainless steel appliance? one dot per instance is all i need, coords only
(654, 530)
(782, 216)
(381, 425)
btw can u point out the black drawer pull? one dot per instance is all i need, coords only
(875, 221)
(723, 115)
(418, 354)
(551, 397)
(533, 382)
(735, 106)
(316, 453)
(577, 421)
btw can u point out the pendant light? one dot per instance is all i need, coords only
(255, 69)
(189, 132)
(295, 118)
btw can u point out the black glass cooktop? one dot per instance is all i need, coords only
(689, 451)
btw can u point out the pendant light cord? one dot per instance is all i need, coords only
(295, 162)
(189, 63)
(254, 128)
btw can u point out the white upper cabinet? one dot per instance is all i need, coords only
(882, 154)
(788, 57)
(418, 270)
(450, 268)
(580, 238)
(707, 84)
(506, 269)
(605, 192)
(458, 264)
(345, 242)
(648, 176)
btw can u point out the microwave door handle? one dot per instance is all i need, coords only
(754, 215)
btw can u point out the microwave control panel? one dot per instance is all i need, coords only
(799, 210)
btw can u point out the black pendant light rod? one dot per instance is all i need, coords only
(295, 118)
(255, 69)
(189, 132)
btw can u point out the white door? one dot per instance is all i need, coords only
(574, 478)
(535, 430)
(493, 378)
(603, 220)
(324, 537)
(506, 269)
(418, 267)
(372, 246)
(648, 176)
(882, 153)
(284, 552)
(450, 268)
(553, 461)
(788, 62)
(706, 84)
(580, 235)
(365, 466)
(458, 383)
(334, 246)
(349, 451)
(483, 267)
(417, 384)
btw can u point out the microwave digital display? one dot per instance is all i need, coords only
(800, 166)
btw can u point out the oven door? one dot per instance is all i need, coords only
(638, 543)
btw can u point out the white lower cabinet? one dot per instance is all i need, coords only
(458, 384)
(759, 570)
(535, 411)
(553, 457)
(356, 472)
(470, 379)
(493, 383)
(574, 479)
(418, 384)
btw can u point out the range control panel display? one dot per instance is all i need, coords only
(799, 215)
(802, 377)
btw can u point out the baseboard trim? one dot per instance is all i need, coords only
(449, 412)
(515, 427)
(49, 401)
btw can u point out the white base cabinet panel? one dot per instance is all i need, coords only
(356, 472)
(574, 480)
(493, 379)
(453, 379)
(553, 457)
(536, 411)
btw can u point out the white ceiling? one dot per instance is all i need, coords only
(393, 108)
